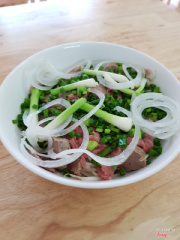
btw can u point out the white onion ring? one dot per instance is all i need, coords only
(88, 115)
(60, 101)
(130, 84)
(43, 75)
(35, 132)
(76, 74)
(47, 74)
(54, 163)
(163, 128)
(30, 75)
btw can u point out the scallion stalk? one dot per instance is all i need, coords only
(88, 83)
(65, 114)
(34, 103)
(34, 100)
(124, 123)
(105, 152)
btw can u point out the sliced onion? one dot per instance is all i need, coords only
(25, 115)
(43, 75)
(88, 115)
(47, 74)
(130, 84)
(46, 120)
(76, 74)
(60, 101)
(30, 75)
(34, 133)
(54, 163)
(163, 128)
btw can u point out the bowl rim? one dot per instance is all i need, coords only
(73, 182)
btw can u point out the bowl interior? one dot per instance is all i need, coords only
(15, 88)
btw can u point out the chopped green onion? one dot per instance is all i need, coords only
(74, 92)
(157, 141)
(78, 135)
(127, 91)
(122, 141)
(88, 122)
(114, 167)
(34, 100)
(88, 83)
(148, 161)
(105, 152)
(107, 131)
(46, 113)
(66, 173)
(92, 145)
(122, 172)
(123, 123)
(71, 134)
(90, 131)
(81, 89)
(132, 131)
(96, 163)
(105, 139)
(14, 121)
(99, 129)
(155, 151)
(114, 129)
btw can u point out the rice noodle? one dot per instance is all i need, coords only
(93, 178)
(163, 128)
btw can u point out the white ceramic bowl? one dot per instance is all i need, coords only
(12, 94)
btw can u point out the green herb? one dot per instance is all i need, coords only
(46, 113)
(43, 145)
(122, 141)
(122, 172)
(107, 131)
(88, 122)
(78, 135)
(148, 161)
(105, 152)
(81, 89)
(71, 134)
(14, 121)
(90, 129)
(92, 145)
(96, 163)
(155, 151)
(66, 173)
(114, 167)
(34, 100)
